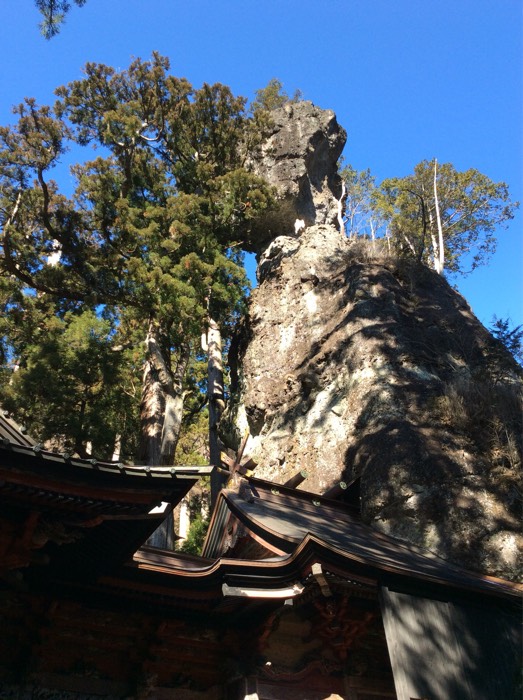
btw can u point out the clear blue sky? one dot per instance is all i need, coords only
(408, 79)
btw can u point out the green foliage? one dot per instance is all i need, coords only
(196, 535)
(71, 384)
(362, 217)
(273, 96)
(54, 12)
(472, 208)
(510, 337)
(193, 446)
(152, 234)
(403, 210)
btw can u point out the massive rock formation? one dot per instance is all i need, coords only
(353, 363)
(299, 158)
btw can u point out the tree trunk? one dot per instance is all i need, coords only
(162, 403)
(174, 403)
(172, 423)
(151, 414)
(161, 417)
(213, 345)
(434, 244)
(80, 447)
(117, 449)
(441, 250)
(185, 520)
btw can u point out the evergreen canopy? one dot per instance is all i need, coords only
(461, 209)
(151, 236)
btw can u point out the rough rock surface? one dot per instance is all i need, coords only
(299, 158)
(354, 364)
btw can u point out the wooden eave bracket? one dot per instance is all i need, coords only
(321, 580)
(265, 593)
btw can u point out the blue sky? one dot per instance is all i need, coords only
(408, 79)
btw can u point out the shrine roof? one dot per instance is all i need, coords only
(45, 472)
(284, 519)
(308, 531)
(81, 513)
(12, 432)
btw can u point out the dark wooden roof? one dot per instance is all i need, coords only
(195, 585)
(93, 515)
(102, 598)
(284, 519)
(299, 529)
(11, 431)
(83, 514)
(65, 481)
(53, 476)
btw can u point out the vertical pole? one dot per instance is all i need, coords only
(216, 401)
(185, 520)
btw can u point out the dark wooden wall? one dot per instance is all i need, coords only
(444, 650)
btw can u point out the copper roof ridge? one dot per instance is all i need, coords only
(145, 560)
(298, 493)
(116, 467)
(309, 550)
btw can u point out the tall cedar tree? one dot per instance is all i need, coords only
(151, 236)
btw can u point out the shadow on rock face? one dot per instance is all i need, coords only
(353, 363)
(347, 369)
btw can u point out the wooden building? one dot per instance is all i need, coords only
(294, 597)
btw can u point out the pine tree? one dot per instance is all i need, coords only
(53, 15)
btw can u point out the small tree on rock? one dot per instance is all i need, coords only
(273, 96)
(445, 218)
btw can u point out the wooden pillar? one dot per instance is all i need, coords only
(184, 520)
